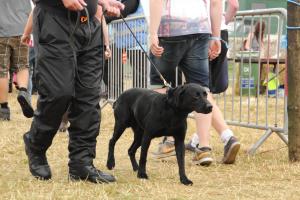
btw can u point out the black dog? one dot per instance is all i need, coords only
(151, 114)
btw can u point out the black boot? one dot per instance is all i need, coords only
(89, 173)
(38, 164)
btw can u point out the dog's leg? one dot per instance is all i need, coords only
(138, 135)
(118, 130)
(143, 158)
(179, 148)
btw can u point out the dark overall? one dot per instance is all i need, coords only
(67, 79)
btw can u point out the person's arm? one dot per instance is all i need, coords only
(25, 39)
(215, 17)
(247, 42)
(130, 7)
(74, 5)
(101, 19)
(156, 7)
(111, 7)
(232, 8)
(106, 39)
(105, 32)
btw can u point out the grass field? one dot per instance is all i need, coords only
(267, 175)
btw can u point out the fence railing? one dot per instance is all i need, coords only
(255, 97)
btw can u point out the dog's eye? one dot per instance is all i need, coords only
(197, 95)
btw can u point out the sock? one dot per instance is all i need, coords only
(23, 89)
(195, 140)
(226, 135)
(4, 105)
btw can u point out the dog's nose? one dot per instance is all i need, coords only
(208, 108)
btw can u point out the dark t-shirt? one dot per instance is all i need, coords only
(91, 4)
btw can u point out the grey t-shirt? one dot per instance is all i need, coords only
(13, 17)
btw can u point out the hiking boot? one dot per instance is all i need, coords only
(89, 173)
(24, 101)
(5, 114)
(38, 164)
(230, 150)
(188, 146)
(202, 156)
(165, 149)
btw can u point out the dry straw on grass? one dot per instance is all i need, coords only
(268, 175)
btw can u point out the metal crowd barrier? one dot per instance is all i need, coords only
(128, 66)
(248, 101)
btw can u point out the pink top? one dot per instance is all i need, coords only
(184, 17)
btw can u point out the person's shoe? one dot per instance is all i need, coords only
(38, 164)
(165, 149)
(24, 101)
(89, 173)
(230, 150)
(188, 146)
(202, 156)
(5, 114)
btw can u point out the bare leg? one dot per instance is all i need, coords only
(3, 89)
(22, 78)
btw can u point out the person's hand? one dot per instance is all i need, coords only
(107, 53)
(154, 46)
(74, 5)
(25, 39)
(214, 49)
(112, 7)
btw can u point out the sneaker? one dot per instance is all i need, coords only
(202, 156)
(89, 173)
(230, 150)
(5, 114)
(24, 101)
(165, 149)
(189, 147)
(38, 164)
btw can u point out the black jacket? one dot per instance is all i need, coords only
(91, 5)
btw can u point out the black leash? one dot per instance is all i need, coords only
(72, 44)
(155, 67)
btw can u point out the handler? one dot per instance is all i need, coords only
(68, 43)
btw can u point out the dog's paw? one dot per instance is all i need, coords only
(142, 175)
(186, 181)
(135, 167)
(110, 164)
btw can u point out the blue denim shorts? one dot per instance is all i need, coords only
(189, 53)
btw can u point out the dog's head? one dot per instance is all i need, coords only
(190, 97)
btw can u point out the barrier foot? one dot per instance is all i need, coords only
(283, 137)
(261, 140)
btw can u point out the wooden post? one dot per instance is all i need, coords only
(293, 66)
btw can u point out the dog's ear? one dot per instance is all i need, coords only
(174, 95)
(171, 98)
(170, 92)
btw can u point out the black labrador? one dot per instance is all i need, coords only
(151, 114)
